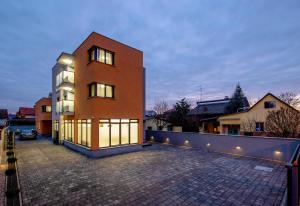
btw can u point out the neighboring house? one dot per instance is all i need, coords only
(25, 113)
(3, 118)
(43, 120)
(206, 113)
(98, 97)
(150, 123)
(253, 120)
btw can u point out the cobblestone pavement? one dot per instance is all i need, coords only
(158, 175)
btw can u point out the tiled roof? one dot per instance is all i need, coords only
(26, 111)
(212, 107)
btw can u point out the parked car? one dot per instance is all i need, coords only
(28, 134)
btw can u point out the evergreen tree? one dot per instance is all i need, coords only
(237, 102)
(181, 109)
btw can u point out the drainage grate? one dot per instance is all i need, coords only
(262, 168)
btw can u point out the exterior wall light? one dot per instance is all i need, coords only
(167, 140)
(238, 148)
(152, 138)
(208, 144)
(186, 142)
(67, 61)
(277, 152)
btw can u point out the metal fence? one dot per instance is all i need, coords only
(293, 178)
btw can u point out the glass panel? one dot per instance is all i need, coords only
(115, 134)
(98, 54)
(103, 134)
(124, 133)
(89, 130)
(100, 90)
(68, 76)
(124, 120)
(48, 108)
(84, 134)
(109, 91)
(68, 106)
(133, 133)
(108, 58)
(93, 55)
(62, 130)
(133, 120)
(115, 120)
(79, 132)
(102, 56)
(73, 136)
(104, 120)
(92, 92)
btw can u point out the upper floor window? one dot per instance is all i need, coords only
(101, 55)
(46, 108)
(101, 90)
(270, 104)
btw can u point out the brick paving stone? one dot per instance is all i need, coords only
(158, 175)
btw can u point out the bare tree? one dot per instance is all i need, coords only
(248, 125)
(284, 122)
(160, 108)
(290, 98)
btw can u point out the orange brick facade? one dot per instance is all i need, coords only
(43, 119)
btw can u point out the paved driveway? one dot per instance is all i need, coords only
(158, 175)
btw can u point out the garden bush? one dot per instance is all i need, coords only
(9, 147)
(9, 153)
(11, 159)
(10, 171)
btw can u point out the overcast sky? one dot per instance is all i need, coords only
(187, 45)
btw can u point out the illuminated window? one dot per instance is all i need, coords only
(69, 130)
(46, 108)
(115, 132)
(108, 58)
(101, 55)
(101, 90)
(65, 77)
(104, 128)
(84, 128)
(108, 91)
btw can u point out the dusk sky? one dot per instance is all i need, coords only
(187, 45)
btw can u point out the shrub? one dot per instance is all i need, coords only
(10, 171)
(10, 133)
(9, 147)
(11, 192)
(9, 153)
(11, 159)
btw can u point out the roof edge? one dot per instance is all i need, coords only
(93, 32)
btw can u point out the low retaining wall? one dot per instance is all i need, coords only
(102, 152)
(273, 148)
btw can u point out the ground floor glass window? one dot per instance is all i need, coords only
(84, 132)
(69, 130)
(114, 132)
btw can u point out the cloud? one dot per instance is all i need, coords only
(187, 45)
